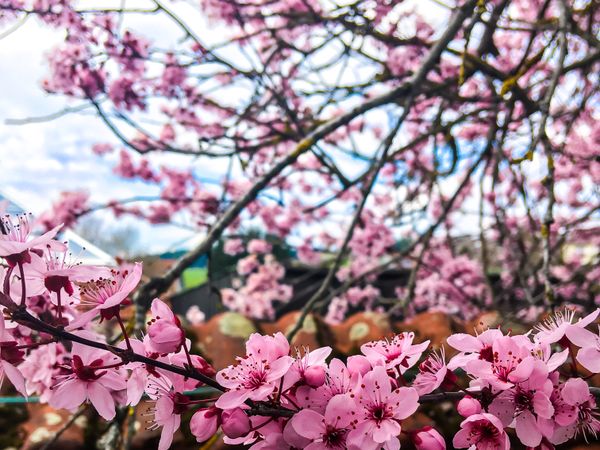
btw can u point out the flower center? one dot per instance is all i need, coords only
(487, 354)
(334, 437)
(380, 412)
(485, 431)
(87, 373)
(255, 379)
(10, 353)
(524, 400)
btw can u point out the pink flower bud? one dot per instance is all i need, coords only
(358, 364)
(468, 406)
(204, 423)
(314, 376)
(165, 336)
(428, 438)
(235, 423)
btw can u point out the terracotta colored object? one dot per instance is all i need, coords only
(306, 337)
(223, 338)
(485, 320)
(45, 421)
(435, 326)
(359, 329)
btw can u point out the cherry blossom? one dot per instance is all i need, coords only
(482, 431)
(93, 375)
(380, 411)
(256, 376)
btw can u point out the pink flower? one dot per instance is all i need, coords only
(54, 273)
(93, 376)
(309, 369)
(181, 359)
(205, 422)
(141, 374)
(482, 431)
(380, 410)
(40, 368)
(358, 364)
(233, 246)
(589, 354)
(472, 347)
(235, 423)
(105, 295)
(339, 380)
(398, 353)
(428, 438)
(195, 316)
(579, 412)
(164, 329)
(511, 362)
(328, 431)
(528, 404)
(554, 328)
(15, 241)
(10, 357)
(259, 246)
(258, 374)
(432, 374)
(170, 404)
(468, 406)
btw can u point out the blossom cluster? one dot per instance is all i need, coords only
(462, 136)
(521, 387)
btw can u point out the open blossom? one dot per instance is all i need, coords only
(379, 411)
(16, 240)
(233, 246)
(55, 273)
(257, 375)
(543, 352)
(142, 374)
(94, 376)
(589, 353)
(309, 368)
(481, 431)
(579, 413)
(472, 347)
(399, 352)
(198, 363)
(511, 362)
(105, 295)
(328, 431)
(527, 404)
(10, 357)
(164, 329)
(259, 246)
(338, 380)
(41, 367)
(195, 316)
(560, 323)
(432, 373)
(169, 405)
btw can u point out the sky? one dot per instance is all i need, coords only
(41, 158)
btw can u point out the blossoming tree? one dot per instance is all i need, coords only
(346, 126)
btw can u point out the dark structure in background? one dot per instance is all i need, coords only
(304, 280)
